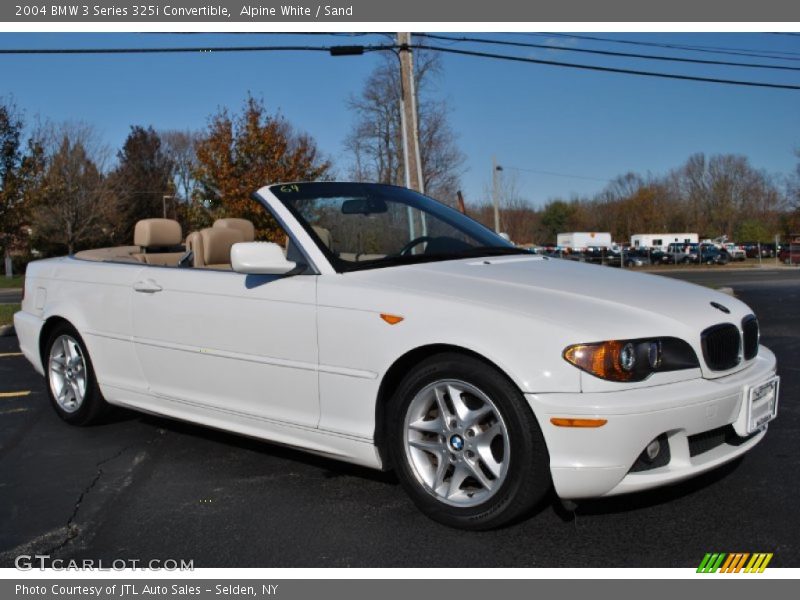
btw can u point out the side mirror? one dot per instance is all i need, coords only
(260, 258)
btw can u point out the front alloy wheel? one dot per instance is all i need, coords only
(456, 443)
(465, 444)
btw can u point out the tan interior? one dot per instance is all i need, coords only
(115, 254)
(246, 227)
(353, 257)
(211, 247)
(156, 242)
(157, 233)
(158, 239)
(327, 239)
(324, 235)
(194, 243)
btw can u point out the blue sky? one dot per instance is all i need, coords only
(590, 125)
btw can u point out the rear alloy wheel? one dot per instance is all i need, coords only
(72, 386)
(466, 445)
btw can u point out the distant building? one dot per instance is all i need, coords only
(660, 241)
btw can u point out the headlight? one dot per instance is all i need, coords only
(632, 360)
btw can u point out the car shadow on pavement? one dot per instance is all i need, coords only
(330, 467)
(646, 499)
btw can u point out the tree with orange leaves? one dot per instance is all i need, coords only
(241, 153)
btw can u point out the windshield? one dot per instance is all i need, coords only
(362, 226)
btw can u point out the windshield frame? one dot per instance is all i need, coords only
(339, 265)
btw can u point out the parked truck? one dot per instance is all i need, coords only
(581, 240)
(661, 241)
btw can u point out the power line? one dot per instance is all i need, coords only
(377, 48)
(772, 54)
(606, 69)
(186, 49)
(606, 52)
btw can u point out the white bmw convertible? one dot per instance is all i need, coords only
(394, 332)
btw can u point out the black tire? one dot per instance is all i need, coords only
(92, 406)
(526, 479)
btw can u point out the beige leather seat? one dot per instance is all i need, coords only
(246, 227)
(211, 247)
(194, 243)
(159, 241)
(324, 235)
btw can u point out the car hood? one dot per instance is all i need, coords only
(595, 302)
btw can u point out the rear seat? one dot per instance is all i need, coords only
(159, 241)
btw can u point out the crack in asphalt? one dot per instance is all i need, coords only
(72, 529)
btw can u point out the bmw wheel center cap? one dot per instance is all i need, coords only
(456, 442)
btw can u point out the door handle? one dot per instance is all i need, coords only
(148, 286)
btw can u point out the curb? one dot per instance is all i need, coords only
(7, 330)
(726, 290)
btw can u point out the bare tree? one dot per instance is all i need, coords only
(721, 190)
(181, 148)
(73, 207)
(517, 217)
(376, 140)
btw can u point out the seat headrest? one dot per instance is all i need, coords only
(157, 233)
(243, 225)
(216, 244)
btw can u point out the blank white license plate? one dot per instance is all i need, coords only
(762, 404)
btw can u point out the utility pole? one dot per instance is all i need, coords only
(495, 194)
(462, 207)
(9, 265)
(408, 108)
(164, 199)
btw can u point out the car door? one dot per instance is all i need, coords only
(225, 341)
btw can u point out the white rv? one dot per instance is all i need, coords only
(578, 240)
(661, 241)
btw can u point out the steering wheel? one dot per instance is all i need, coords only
(415, 242)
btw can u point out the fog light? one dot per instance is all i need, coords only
(653, 448)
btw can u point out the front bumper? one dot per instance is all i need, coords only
(594, 462)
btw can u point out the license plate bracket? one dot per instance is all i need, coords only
(759, 406)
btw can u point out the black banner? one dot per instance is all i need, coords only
(107, 11)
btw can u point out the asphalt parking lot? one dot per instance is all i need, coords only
(142, 487)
